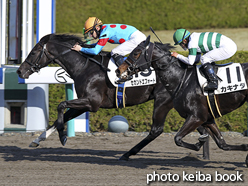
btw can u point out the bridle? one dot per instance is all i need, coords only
(134, 67)
(144, 54)
(35, 67)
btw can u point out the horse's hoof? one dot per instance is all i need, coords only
(63, 140)
(245, 147)
(203, 138)
(34, 144)
(123, 158)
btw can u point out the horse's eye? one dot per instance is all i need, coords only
(32, 53)
(136, 52)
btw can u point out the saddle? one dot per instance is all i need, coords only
(231, 78)
(145, 78)
(216, 67)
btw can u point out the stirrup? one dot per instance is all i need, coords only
(120, 81)
(211, 86)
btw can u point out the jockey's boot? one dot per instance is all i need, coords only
(211, 77)
(119, 59)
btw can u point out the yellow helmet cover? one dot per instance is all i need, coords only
(91, 22)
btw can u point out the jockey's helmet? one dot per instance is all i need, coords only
(180, 35)
(91, 23)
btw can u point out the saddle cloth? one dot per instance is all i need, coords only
(141, 79)
(232, 79)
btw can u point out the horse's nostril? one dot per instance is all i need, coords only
(18, 72)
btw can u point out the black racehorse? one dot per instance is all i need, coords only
(92, 85)
(181, 82)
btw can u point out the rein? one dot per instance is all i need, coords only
(183, 78)
(144, 52)
(184, 74)
(82, 54)
(181, 84)
(134, 65)
(35, 67)
(95, 61)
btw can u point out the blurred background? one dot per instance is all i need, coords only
(164, 16)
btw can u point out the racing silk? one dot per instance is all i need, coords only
(112, 33)
(201, 43)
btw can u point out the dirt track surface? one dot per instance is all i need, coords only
(93, 160)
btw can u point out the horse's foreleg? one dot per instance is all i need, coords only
(79, 106)
(60, 127)
(153, 134)
(161, 109)
(42, 137)
(215, 133)
(189, 126)
(70, 114)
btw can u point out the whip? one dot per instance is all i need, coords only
(155, 34)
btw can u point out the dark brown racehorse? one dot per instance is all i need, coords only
(93, 88)
(181, 82)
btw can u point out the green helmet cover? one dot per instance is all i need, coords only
(180, 35)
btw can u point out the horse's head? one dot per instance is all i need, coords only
(144, 56)
(49, 49)
(35, 60)
(138, 60)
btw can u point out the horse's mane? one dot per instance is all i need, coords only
(166, 47)
(72, 39)
(67, 38)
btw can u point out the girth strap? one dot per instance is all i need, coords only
(120, 95)
(213, 105)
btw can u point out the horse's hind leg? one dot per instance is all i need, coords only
(204, 136)
(42, 137)
(70, 114)
(215, 133)
(161, 109)
(189, 126)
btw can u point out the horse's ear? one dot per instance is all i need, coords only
(46, 38)
(147, 40)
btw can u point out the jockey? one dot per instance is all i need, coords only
(214, 46)
(127, 36)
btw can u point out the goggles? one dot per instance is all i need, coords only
(90, 33)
